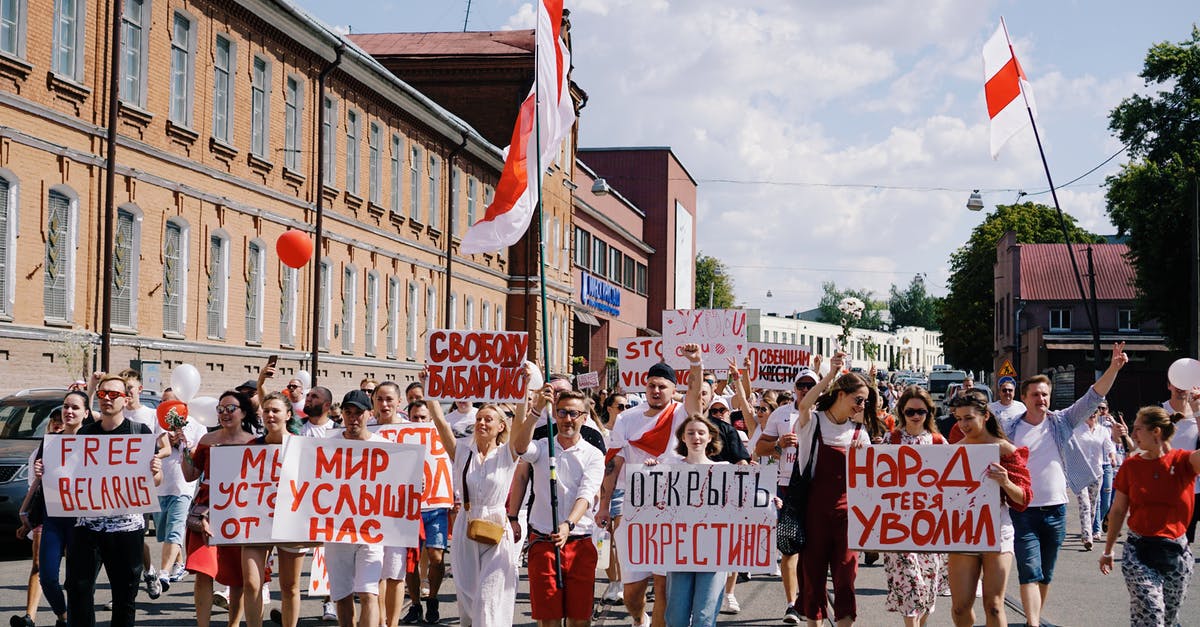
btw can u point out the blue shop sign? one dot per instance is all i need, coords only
(600, 294)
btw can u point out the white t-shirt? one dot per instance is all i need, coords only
(1005, 413)
(310, 430)
(144, 415)
(173, 483)
(1096, 445)
(781, 421)
(1185, 438)
(833, 434)
(580, 471)
(633, 423)
(461, 423)
(1046, 470)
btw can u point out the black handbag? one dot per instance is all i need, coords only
(36, 514)
(1162, 555)
(790, 532)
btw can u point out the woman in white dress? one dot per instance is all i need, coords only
(485, 575)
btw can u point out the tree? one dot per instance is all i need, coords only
(967, 314)
(872, 317)
(714, 286)
(914, 307)
(1153, 199)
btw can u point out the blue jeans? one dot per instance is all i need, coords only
(1105, 498)
(1039, 532)
(55, 533)
(694, 599)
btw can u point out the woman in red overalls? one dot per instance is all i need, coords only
(830, 422)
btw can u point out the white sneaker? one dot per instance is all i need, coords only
(328, 611)
(221, 598)
(731, 604)
(613, 593)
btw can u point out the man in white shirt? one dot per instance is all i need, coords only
(1006, 406)
(136, 412)
(579, 471)
(462, 419)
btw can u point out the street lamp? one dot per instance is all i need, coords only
(600, 187)
(975, 202)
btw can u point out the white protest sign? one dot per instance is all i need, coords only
(318, 576)
(242, 481)
(439, 488)
(98, 475)
(349, 491)
(923, 498)
(776, 366)
(476, 366)
(588, 380)
(636, 356)
(721, 333)
(698, 518)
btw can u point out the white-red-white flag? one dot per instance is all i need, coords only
(547, 114)
(1004, 85)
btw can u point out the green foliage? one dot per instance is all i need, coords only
(871, 317)
(1153, 199)
(713, 283)
(968, 312)
(915, 306)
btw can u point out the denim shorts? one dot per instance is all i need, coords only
(169, 522)
(437, 528)
(616, 504)
(1039, 533)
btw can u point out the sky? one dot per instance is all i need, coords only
(837, 141)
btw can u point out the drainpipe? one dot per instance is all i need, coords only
(450, 200)
(319, 234)
(110, 180)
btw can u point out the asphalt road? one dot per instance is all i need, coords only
(1080, 595)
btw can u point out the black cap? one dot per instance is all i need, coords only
(662, 370)
(250, 384)
(358, 398)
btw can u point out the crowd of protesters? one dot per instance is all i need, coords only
(1143, 475)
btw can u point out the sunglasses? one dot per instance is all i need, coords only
(622, 405)
(110, 395)
(860, 401)
(293, 386)
(228, 409)
(510, 415)
(718, 410)
(568, 413)
(1102, 409)
(1007, 391)
(909, 413)
(760, 408)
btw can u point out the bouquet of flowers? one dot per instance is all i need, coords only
(852, 310)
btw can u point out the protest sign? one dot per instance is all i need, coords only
(476, 366)
(721, 333)
(318, 576)
(923, 498)
(439, 489)
(776, 366)
(242, 481)
(349, 491)
(698, 518)
(636, 356)
(588, 381)
(98, 475)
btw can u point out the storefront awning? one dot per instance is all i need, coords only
(586, 318)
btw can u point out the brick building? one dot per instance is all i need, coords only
(218, 151)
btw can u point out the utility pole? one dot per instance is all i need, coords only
(1194, 275)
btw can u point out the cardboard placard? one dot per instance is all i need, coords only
(923, 498)
(476, 366)
(588, 380)
(242, 481)
(776, 366)
(349, 492)
(99, 475)
(698, 518)
(439, 488)
(721, 333)
(636, 356)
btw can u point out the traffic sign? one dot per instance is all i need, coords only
(1006, 370)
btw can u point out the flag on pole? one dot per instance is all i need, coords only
(1004, 84)
(547, 112)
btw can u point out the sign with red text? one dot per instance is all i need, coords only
(721, 334)
(318, 576)
(476, 366)
(439, 489)
(349, 492)
(923, 498)
(588, 381)
(636, 356)
(698, 518)
(99, 475)
(776, 366)
(241, 493)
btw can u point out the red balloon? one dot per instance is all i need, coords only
(294, 248)
(164, 410)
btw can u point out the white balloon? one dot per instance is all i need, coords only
(1184, 373)
(305, 379)
(536, 380)
(185, 382)
(203, 409)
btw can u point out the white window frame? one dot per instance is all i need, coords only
(1061, 314)
(223, 103)
(393, 314)
(485, 316)
(8, 244)
(323, 326)
(256, 258)
(453, 324)
(472, 192)
(68, 269)
(431, 308)
(349, 306)
(15, 27)
(328, 144)
(353, 135)
(183, 63)
(134, 251)
(287, 304)
(469, 314)
(397, 164)
(293, 120)
(136, 80)
(68, 54)
(181, 277)
(411, 324)
(416, 162)
(435, 190)
(221, 286)
(260, 108)
(371, 313)
(1125, 321)
(374, 164)
(501, 325)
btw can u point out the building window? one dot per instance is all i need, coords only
(260, 111)
(641, 279)
(135, 44)
(1125, 320)
(500, 322)
(1060, 319)
(174, 277)
(255, 262)
(599, 256)
(372, 304)
(293, 134)
(410, 330)
(374, 165)
(287, 305)
(435, 189)
(469, 314)
(349, 300)
(183, 52)
(352, 130)
(414, 185)
(396, 158)
(485, 316)
(629, 277)
(328, 128)
(125, 270)
(59, 275)
(453, 322)
(12, 27)
(393, 320)
(614, 265)
(472, 192)
(7, 248)
(583, 246)
(69, 38)
(218, 284)
(431, 310)
(326, 279)
(224, 64)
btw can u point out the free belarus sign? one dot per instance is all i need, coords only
(99, 475)
(476, 366)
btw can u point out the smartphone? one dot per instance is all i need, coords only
(272, 360)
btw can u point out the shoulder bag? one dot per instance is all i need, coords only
(478, 529)
(790, 533)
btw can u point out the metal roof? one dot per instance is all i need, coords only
(1046, 272)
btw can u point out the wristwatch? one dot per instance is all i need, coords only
(778, 451)
(570, 525)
